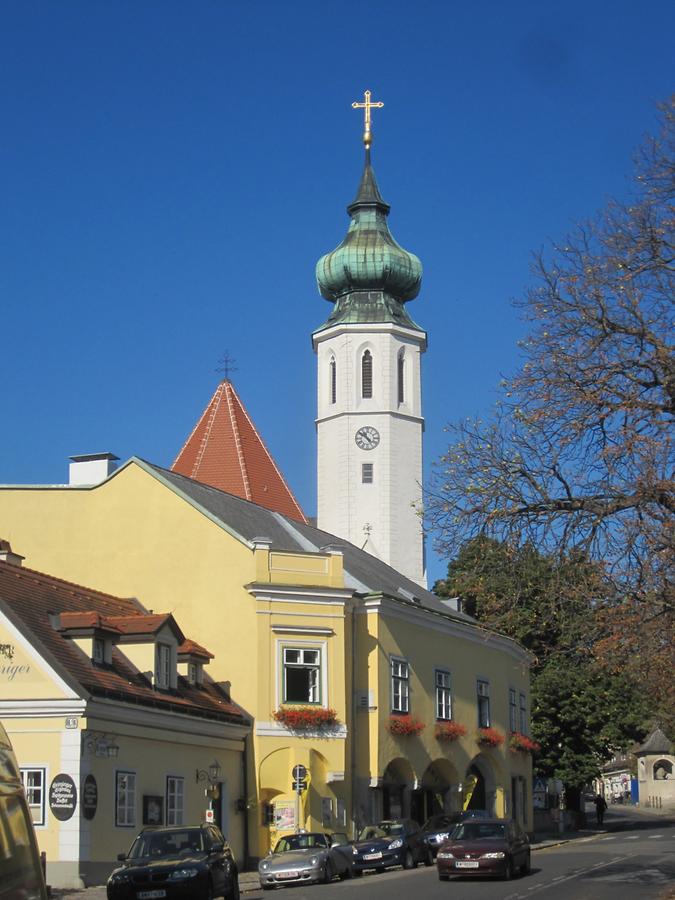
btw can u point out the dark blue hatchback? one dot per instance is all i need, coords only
(395, 842)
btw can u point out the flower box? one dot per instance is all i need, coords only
(521, 742)
(405, 726)
(449, 731)
(305, 718)
(490, 737)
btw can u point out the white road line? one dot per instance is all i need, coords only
(558, 881)
(653, 837)
(607, 839)
(632, 837)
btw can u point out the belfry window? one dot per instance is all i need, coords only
(332, 368)
(367, 374)
(401, 377)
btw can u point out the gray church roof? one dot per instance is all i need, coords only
(364, 573)
(657, 742)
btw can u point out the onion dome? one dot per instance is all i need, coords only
(369, 276)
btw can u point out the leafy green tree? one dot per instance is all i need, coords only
(581, 711)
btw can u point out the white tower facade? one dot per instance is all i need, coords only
(369, 404)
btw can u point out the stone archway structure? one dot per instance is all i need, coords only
(437, 791)
(482, 788)
(397, 783)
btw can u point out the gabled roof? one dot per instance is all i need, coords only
(37, 604)
(657, 742)
(226, 451)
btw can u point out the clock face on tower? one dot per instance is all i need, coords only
(367, 438)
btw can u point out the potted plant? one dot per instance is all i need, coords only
(306, 718)
(521, 742)
(405, 726)
(449, 731)
(490, 737)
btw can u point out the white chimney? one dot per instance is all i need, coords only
(91, 468)
(7, 554)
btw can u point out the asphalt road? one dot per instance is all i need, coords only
(632, 858)
(634, 863)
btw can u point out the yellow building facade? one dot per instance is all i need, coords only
(301, 622)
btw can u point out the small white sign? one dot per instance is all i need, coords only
(71, 722)
(209, 816)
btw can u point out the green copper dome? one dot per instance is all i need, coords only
(368, 276)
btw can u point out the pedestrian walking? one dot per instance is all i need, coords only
(600, 807)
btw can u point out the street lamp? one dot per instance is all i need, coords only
(212, 774)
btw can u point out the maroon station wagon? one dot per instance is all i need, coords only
(484, 847)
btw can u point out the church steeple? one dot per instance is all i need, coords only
(369, 415)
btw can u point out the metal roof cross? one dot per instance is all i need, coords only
(366, 107)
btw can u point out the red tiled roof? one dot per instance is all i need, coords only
(226, 452)
(32, 598)
(76, 621)
(194, 649)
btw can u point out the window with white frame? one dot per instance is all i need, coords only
(33, 781)
(483, 697)
(125, 799)
(523, 714)
(366, 473)
(174, 800)
(443, 695)
(400, 686)
(163, 666)
(513, 711)
(301, 675)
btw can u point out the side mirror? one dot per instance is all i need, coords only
(121, 857)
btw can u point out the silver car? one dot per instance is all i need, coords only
(307, 857)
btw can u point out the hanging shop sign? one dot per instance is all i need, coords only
(89, 797)
(62, 797)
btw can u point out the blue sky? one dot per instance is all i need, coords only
(171, 172)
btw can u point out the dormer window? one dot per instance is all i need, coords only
(163, 667)
(98, 651)
(194, 671)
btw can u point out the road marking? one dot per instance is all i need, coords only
(608, 839)
(632, 837)
(561, 879)
(653, 837)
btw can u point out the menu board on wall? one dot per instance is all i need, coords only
(62, 797)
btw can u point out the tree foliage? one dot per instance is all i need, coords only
(578, 455)
(581, 710)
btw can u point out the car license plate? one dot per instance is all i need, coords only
(466, 864)
(150, 895)
(287, 875)
(372, 856)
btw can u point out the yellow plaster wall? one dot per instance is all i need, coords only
(24, 677)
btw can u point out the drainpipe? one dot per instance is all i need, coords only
(244, 765)
(352, 730)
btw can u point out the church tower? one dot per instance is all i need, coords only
(369, 422)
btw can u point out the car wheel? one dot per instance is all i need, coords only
(429, 858)
(348, 873)
(408, 861)
(508, 871)
(327, 872)
(209, 891)
(444, 878)
(233, 893)
(526, 867)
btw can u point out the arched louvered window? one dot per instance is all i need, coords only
(333, 380)
(367, 374)
(401, 377)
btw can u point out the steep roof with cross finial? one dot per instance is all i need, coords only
(225, 451)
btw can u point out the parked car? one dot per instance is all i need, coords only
(307, 857)
(20, 870)
(439, 827)
(484, 847)
(192, 862)
(397, 842)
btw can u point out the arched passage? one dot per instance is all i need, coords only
(434, 794)
(397, 780)
(479, 788)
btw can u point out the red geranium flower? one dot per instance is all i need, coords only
(305, 718)
(449, 731)
(522, 742)
(405, 726)
(490, 737)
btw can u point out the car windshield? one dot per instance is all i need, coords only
(479, 831)
(300, 842)
(371, 832)
(437, 822)
(181, 842)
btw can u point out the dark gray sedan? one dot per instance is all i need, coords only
(307, 857)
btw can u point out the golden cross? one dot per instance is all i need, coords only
(366, 107)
